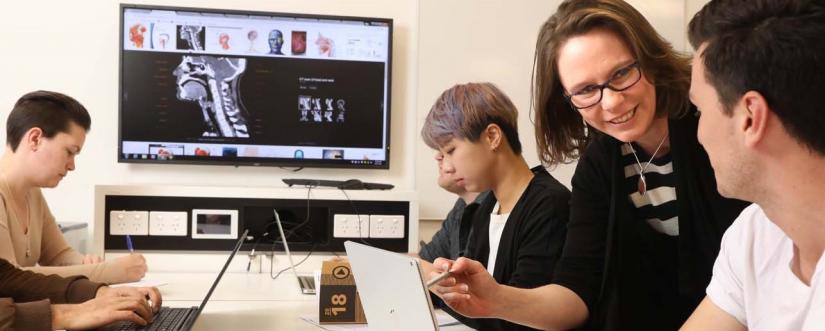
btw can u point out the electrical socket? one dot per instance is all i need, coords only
(167, 223)
(135, 223)
(386, 226)
(347, 226)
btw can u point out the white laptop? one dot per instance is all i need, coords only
(392, 289)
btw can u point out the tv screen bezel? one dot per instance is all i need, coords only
(247, 161)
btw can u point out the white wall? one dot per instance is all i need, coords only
(475, 40)
(692, 7)
(71, 46)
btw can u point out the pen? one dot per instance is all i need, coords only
(438, 278)
(129, 244)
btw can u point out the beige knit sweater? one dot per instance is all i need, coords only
(43, 249)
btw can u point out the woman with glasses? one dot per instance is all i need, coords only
(646, 219)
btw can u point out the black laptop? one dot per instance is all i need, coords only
(178, 319)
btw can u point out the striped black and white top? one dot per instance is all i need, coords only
(658, 206)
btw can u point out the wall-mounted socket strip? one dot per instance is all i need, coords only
(134, 223)
(348, 226)
(386, 226)
(168, 223)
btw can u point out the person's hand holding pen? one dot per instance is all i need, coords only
(133, 266)
(129, 244)
(467, 288)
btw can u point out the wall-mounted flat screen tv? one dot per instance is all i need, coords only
(228, 87)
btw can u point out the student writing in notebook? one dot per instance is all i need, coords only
(44, 133)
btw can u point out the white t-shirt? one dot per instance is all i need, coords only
(753, 282)
(497, 222)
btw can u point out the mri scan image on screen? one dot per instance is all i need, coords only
(227, 87)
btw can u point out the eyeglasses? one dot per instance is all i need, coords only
(591, 95)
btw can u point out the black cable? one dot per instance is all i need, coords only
(286, 235)
(306, 219)
(285, 239)
(357, 215)
(291, 231)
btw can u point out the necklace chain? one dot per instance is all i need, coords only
(642, 169)
(642, 181)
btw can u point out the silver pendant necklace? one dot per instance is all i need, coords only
(28, 223)
(28, 245)
(642, 184)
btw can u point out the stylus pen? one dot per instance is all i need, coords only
(438, 278)
(129, 244)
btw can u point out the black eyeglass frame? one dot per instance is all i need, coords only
(601, 87)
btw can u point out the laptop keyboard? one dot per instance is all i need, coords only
(166, 319)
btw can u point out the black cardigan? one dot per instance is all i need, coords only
(601, 259)
(531, 242)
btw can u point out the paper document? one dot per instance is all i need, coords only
(333, 327)
(442, 318)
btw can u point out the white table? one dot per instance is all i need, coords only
(244, 301)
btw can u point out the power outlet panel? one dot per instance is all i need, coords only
(348, 226)
(134, 223)
(324, 231)
(386, 226)
(167, 223)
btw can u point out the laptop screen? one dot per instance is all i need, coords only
(378, 272)
(225, 266)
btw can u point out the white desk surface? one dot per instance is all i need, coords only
(244, 301)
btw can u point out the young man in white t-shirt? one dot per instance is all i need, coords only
(758, 79)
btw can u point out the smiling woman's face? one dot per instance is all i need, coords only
(594, 58)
